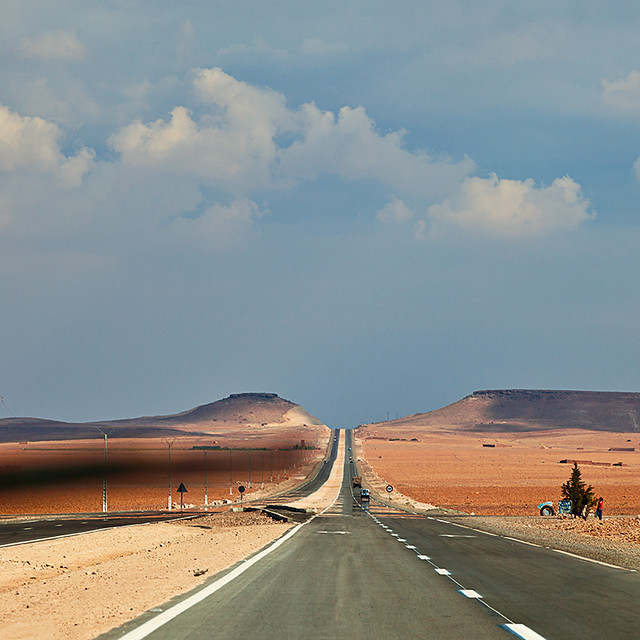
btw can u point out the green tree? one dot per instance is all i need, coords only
(576, 490)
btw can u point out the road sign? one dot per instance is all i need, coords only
(389, 488)
(182, 490)
(241, 489)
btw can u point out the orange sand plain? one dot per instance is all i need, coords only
(68, 476)
(522, 470)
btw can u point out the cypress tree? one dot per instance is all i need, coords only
(575, 489)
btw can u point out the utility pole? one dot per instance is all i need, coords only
(206, 500)
(169, 444)
(249, 483)
(105, 433)
(230, 473)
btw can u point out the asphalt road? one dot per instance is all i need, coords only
(24, 531)
(382, 573)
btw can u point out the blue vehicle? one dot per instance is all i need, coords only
(546, 508)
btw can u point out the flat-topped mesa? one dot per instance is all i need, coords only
(254, 395)
(521, 410)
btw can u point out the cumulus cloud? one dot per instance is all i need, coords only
(348, 145)
(32, 143)
(623, 93)
(239, 143)
(512, 208)
(55, 45)
(395, 211)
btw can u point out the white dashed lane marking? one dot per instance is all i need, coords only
(519, 630)
(522, 631)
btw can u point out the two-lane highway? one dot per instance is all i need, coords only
(351, 573)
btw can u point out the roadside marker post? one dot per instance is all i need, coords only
(389, 491)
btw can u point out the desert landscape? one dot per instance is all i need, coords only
(255, 440)
(505, 452)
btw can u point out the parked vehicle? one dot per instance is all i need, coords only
(546, 508)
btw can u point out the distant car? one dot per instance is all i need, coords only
(364, 495)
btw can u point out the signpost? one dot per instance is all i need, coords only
(241, 490)
(389, 491)
(182, 490)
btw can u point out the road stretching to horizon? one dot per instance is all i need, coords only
(383, 573)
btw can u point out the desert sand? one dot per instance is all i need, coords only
(78, 587)
(510, 477)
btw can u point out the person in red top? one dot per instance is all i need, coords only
(599, 509)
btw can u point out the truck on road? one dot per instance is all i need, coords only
(357, 481)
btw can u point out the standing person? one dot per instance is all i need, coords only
(599, 509)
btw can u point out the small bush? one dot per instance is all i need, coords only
(582, 496)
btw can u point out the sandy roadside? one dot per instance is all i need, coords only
(79, 587)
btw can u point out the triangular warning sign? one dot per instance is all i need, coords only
(182, 488)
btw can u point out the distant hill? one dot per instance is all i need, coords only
(238, 411)
(521, 410)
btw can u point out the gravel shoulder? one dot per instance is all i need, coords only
(615, 541)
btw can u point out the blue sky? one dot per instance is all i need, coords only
(368, 209)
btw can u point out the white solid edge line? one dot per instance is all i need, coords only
(522, 631)
(155, 623)
(158, 621)
(604, 564)
(531, 544)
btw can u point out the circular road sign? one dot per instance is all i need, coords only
(389, 488)
(241, 489)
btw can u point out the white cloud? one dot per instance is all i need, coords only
(55, 45)
(348, 146)
(32, 144)
(238, 144)
(395, 211)
(624, 93)
(512, 208)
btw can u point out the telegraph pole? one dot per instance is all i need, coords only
(105, 433)
(169, 444)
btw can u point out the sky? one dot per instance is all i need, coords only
(371, 209)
